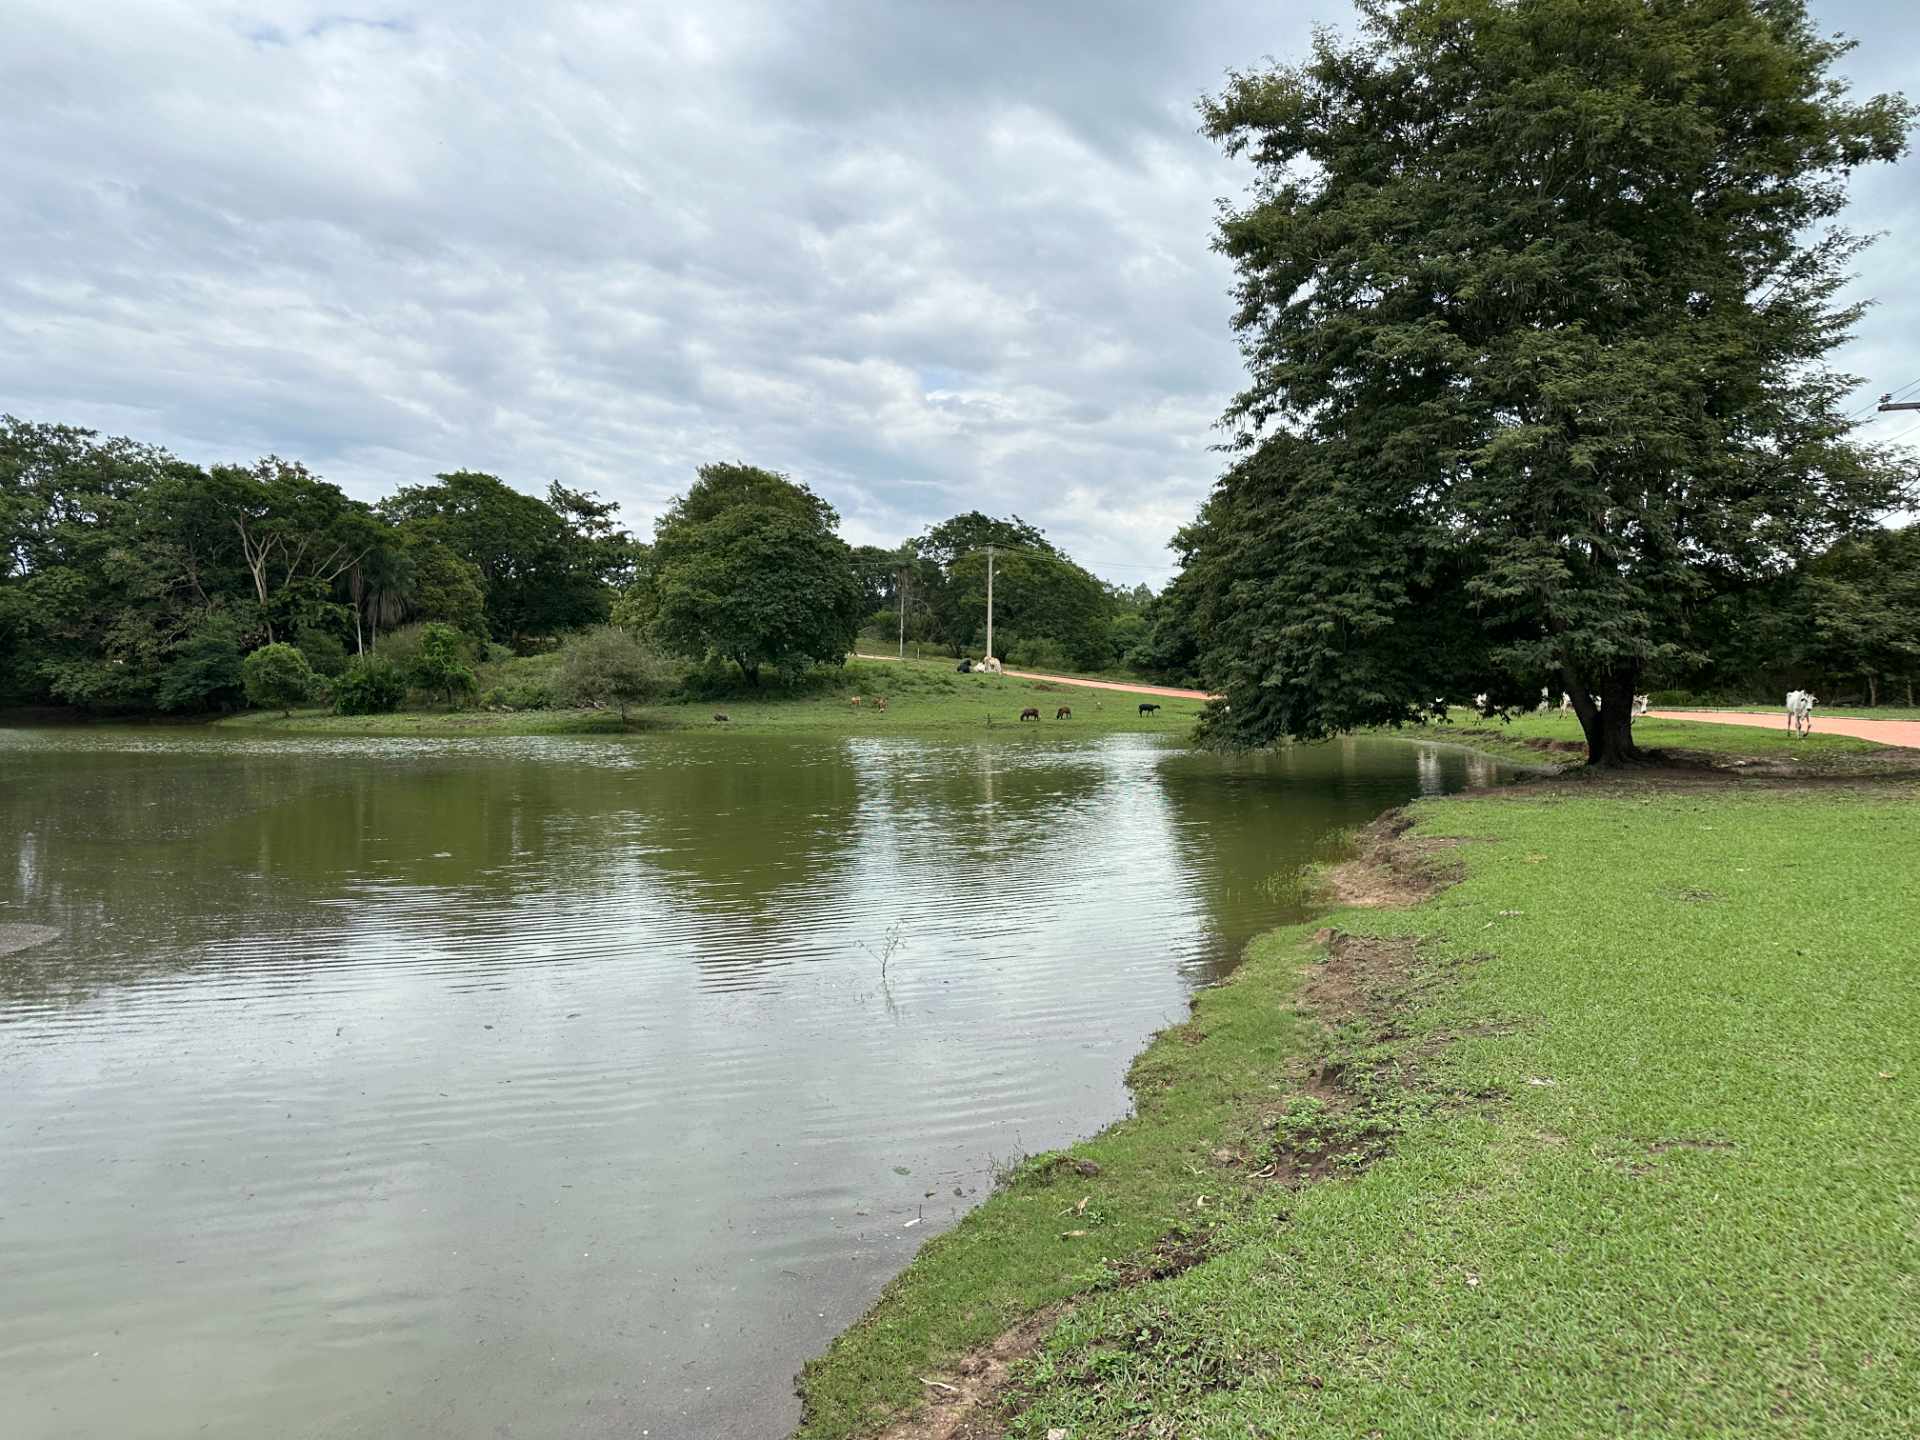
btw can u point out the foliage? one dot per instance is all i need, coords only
(1535, 301)
(371, 684)
(746, 566)
(440, 663)
(1864, 602)
(204, 671)
(324, 649)
(608, 667)
(1040, 599)
(277, 677)
(542, 569)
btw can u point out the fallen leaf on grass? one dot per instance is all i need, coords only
(1473, 1281)
(1540, 1080)
(1073, 1234)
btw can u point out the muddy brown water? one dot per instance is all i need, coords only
(549, 1087)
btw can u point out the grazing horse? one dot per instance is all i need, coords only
(880, 703)
(1148, 708)
(1030, 713)
(1065, 712)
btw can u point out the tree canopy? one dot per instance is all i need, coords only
(747, 566)
(544, 565)
(1535, 300)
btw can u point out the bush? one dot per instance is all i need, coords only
(370, 685)
(323, 649)
(1038, 652)
(276, 676)
(402, 646)
(204, 673)
(519, 695)
(607, 666)
(441, 663)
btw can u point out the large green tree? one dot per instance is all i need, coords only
(747, 566)
(1536, 298)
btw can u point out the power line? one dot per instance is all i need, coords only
(1901, 393)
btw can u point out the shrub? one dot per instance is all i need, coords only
(204, 673)
(370, 685)
(441, 663)
(402, 646)
(608, 666)
(276, 675)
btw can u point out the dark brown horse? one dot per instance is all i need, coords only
(1030, 713)
(1065, 712)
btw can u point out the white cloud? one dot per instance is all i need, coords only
(924, 258)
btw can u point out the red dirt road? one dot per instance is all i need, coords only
(1881, 732)
(1089, 684)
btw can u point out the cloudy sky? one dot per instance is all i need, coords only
(924, 256)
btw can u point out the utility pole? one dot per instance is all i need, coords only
(1886, 403)
(989, 602)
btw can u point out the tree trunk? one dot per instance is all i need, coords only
(1608, 726)
(1873, 691)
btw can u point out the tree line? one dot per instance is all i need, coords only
(132, 581)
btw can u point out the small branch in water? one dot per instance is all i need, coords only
(894, 940)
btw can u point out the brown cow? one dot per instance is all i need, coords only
(1030, 713)
(1065, 712)
(856, 702)
(880, 703)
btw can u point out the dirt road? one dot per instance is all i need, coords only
(1130, 689)
(1882, 732)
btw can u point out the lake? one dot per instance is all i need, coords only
(568, 1087)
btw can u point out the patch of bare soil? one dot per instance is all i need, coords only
(1359, 977)
(962, 1403)
(1391, 869)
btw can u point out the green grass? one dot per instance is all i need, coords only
(923, 698)
(1658, 1171)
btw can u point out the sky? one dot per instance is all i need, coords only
(926, 257)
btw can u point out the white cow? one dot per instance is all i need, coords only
(1545, 704)
(1800, 705)
(1641, 704)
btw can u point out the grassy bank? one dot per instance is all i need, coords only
(923, 698)
(1638, 1096)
